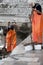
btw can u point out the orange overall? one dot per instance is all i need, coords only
(37, 25)
(11, 40)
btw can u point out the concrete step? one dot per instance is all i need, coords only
(25, 59)
(20, 63)
(33, 63)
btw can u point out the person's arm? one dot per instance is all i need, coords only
(31, 16)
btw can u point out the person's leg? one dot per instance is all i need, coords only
(41, 45)
(33, 45)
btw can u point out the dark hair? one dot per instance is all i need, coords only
(10, 27)
(38, 7)
(35, 5)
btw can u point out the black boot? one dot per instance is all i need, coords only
(42, 46)
(33, 46)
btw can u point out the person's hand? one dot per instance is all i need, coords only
(29, 16)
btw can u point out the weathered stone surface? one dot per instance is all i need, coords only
(20, 8)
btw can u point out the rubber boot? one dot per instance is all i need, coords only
(33, 46)
(42, 46)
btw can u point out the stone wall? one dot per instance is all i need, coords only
(19, 9)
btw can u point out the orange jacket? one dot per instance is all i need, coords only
(11, 40)
(37, 27)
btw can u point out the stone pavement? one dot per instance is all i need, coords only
(28, 58)
(22, 57)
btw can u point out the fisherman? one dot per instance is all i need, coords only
(37, 24)
(11, 39)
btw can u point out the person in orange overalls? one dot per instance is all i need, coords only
(37, 25)
(10, 39)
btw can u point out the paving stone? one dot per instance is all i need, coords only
(35, 59)
(34, 64)
(14, 63)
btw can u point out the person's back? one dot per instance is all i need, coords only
(36, 23)
(11, 40)
(36, 27)
(41, 27)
